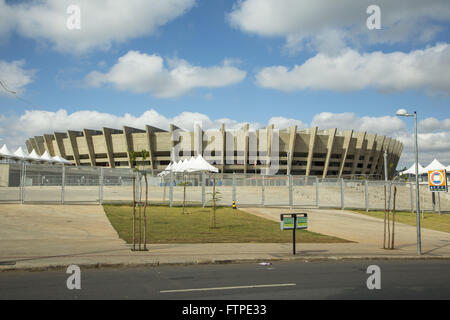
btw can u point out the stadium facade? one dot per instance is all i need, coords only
(309, 152)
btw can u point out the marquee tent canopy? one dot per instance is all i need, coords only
(194, 164)
(435, 165)
(5, 153)
(21, 154)
(412, 170)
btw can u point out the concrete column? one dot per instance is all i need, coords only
(150, 144)
(90, 145)
(330, 144)
(60, 149)
(40, 144)
(73, 144)
(292, 136)
(378, 153)
(34, 144)
(29, 146)
(342, 194)
(127, 135)
(312, 141)
(347, 140)
(48, 144)
(370, 152)
(360, 148)
(109, 146)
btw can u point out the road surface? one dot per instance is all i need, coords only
(400, 279)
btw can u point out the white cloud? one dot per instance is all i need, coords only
(432, 125)
(14, 76)
(282, 122)
(305, 21)
(385, 125)
(351, 70)
(143, 73)
(103, 22)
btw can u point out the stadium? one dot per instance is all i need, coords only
(309, 152)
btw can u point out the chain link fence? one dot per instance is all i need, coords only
(38, 183)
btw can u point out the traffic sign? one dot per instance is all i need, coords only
(437, 180)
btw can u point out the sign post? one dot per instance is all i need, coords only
(293, 221)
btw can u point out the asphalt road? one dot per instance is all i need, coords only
(412, 279)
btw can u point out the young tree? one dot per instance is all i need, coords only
(141, 174)
(133, 181)
(215, 197)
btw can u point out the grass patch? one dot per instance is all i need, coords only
(430, 220)
(168, 225)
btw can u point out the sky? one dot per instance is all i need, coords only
(89, 64)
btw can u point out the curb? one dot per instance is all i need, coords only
(57, 267)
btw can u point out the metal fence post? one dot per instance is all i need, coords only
(233, 190)
(171, 189)
(366, 194)
(342, 194)
(412, 196)
(389, 186)
(203, 190)
(262, 191)
(291, 200)
(22, 182)
(439, 202)
(317, 192)
(63, 182)
(100, 196)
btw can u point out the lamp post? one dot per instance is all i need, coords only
(404, 113)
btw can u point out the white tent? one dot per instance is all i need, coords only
(435, 165)
(200, 164)
(448, 169)
(5, 153)
(412, 170)
(196, 164)
(61, 160)
(34, 156)
(22, 155)
(46, 157)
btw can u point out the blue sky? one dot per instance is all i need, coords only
(230, 60)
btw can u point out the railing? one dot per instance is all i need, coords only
(31, 183)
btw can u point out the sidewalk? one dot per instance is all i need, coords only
(89, 241)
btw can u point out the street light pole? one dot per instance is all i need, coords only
(404, 113)
(416, 149)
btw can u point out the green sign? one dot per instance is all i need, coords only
(287, 223)
(302, 222)
(294, 221)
